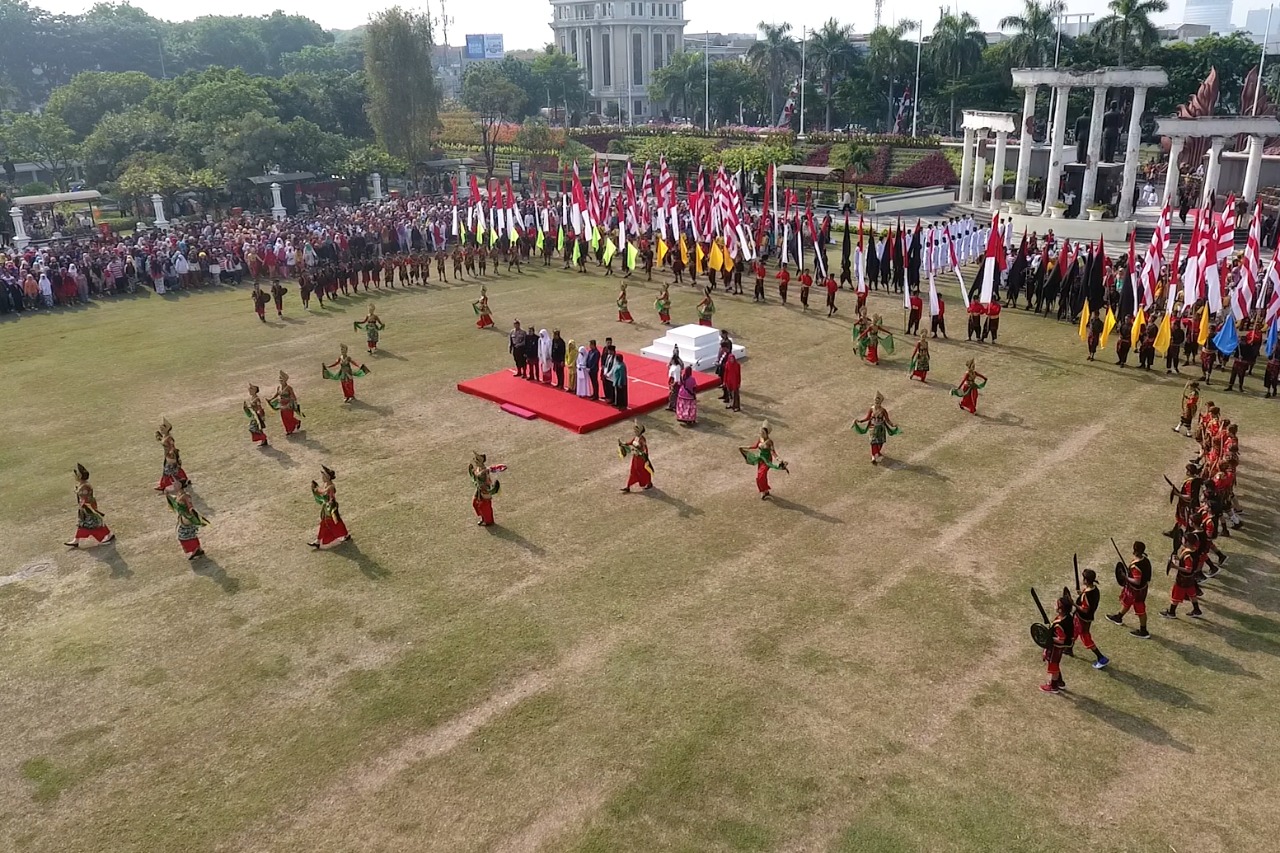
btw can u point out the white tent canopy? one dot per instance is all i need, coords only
(57, 198)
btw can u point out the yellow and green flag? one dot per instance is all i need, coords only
(610, 249)
(662, 250)
(716, 258)
(577, 251)
(1138, 323)
(1084, 321)
(632, 252)
(1165, 335)
(1203, 337)
(540, 242)
(1108, 323)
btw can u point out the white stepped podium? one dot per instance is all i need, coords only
(699, 346)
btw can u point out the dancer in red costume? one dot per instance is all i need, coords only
(285, 401)
(624, 313)
(372, 325)
(641, 468)
(484, 317)
(920, 360)
(486, 487)
(333, 530)
(189, 522)
(763, 455)
(970, 384)
(876, 423)
(345, 370)
(171, 473)
(257, 415)
(663, 305)
(91, 531)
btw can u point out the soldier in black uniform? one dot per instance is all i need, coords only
(1134, 594)
(1087, 600)
(1062, 628)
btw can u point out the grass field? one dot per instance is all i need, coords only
(846, 668)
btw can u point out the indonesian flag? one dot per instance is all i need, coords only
(622, 233)
(1253, 257)
(1172, 295)
(933, 295)
(1273, 287)
(955, 264)
(454, 181)
(665, 199)
(1227, 230)
(580, 209)
(860, 259)
(771, 191)
(629, 188)
(995, 261)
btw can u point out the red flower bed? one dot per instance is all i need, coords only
(932, 171)
(819, 156)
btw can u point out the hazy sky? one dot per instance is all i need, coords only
(524, 23)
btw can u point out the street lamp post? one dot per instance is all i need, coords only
(804, 41)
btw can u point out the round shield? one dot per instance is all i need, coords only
(1122, 574)
(1041, 635)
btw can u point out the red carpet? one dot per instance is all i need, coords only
(647, 390)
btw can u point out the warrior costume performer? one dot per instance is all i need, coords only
(257, 415)
(663, 305)
(877, 424)
(970, 384)
(90, 529)
(333, 531)
(624, 314)
(485, 487)
(1062, 636)
(920, 360)
(1087, 599)
(762, 454)
(345, 370)
(285, 401)
(372, 325)
(260, 300)
(1190, 403)
(641, 468)
(189, 522)
(278, 292)
(484, 317)
(1136, 578)
(1185, 586)
(171, 473)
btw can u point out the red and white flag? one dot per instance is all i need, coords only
(995, 261)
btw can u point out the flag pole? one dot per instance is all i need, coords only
(915, 93)
(1262, 59)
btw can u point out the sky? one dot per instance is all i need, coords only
(525, 23)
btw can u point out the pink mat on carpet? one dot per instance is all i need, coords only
(646, 386)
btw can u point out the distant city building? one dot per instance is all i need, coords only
(619, 44)
(720, 45)
(1173, 33)
(1255, 22)
(1216, 14)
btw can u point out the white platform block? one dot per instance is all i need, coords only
(699, 346)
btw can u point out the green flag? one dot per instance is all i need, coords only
(577, 251)
(540, 242)
(559, 239)
(609, 250)
(493, 237)
(595, 238)
(632, 252)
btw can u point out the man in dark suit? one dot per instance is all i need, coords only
(606, 369)
(593, 368)
(557, 357)
(531, 369)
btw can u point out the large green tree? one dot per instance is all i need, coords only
(491, 95)
(1128, 30)
(677, 82)
(41, 139)
(832, 54)
(955, 51)
(560, 76)
(92, 94)
(404, 99)
(1035, 34)
(889, 58)
(774, 56)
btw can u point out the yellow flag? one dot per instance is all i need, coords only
(595, 237)
(1108, 323)
(662, 251)
(716, 258)
(1204, 326)
(1084, 321)
(684, 251)
(701, 257)
(1138, 323)
(610, 248)
(728, 263)
(1165, 336)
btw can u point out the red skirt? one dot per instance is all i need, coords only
(258, 438)
(762, 477)
(332, 532)
(970, 401)
(919, 374)
(190, 546)
(90, 537)
(873, 354)
(639, 475)
(664, 317)
(348, 389)
(484, 322)
(484, 509)
(167, 481)
(703, 321)
(625, 317)
(290, 421)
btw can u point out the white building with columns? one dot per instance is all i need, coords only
(619, 44)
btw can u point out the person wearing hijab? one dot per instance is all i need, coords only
(570, 367)
(545, 365)
(584, 380)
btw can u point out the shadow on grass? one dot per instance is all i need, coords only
(207, 568)
(292, 321)
(386, 353)
(509, 535)
(1149, 688)
(683, 509)
(1130, 724)
(361, 405)
(278, 456)
(912, 468)
(1197, 656)
(808, 512)
(368, 566)
(110, 557)
(307, 441)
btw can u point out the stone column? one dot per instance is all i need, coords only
(277, 205)
(1090, 188)
(20, 238)
(1129, 180)
(997, 168)
(1211, 171)
(157, 202)
(1055, 153)
(377, 187)
(979, 176)
(1024, 145)
(1253, 169)
(966, 167)
(1171, 177)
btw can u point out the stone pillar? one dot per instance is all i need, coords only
(1253, 169)
(20, 238)
(1128, 183)
(997, 168)
(1090, 188)
(277, 205)
(979, 176)
(1211, 171)
(1024, 145)
(377, 187)
(966, 167)
(157, 202)
(1055, 152)
(1171, 177)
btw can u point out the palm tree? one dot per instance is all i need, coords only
(1129, 26)
(888, 53)
(956, 50)
(676, 81)
(1033, 44)
(832, 53)
(772, 56)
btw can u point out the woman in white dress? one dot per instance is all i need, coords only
(584, 382)
(544, 356)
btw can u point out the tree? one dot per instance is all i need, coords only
(213, 41)
(283, 34)
(832, 53)
(855, 161)
(535, 135)
(92, 94)
(735, 89)
(147, 173)
(1128, 29)
(403, 96)
(118, 135)
(561, 77)
(44, 140)
(1035, 40)
(956, 50)
(675, 82)
(223, 95)
(888, 55)
(773, 57)
(494, 99)
(521, 74)
(321, 59)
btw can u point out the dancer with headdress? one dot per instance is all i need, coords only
(485, 487)
(484, 316)
(641, 468)
(624, 313)
(333, 530)
(345, 370)
(257, 415)
(763, 455)
(869, 336)
(706, 308)
(372, 325)
(1190, 403)
(189, 522)
(285, 401)
(91, 531)
(663, 304)
(920, 360)
(970, 384)
(171, 473)
(877, 424)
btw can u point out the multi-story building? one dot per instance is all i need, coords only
(1215, 13)
(619, 44)
(1256, 21)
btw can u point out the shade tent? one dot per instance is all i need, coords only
(56, 198)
